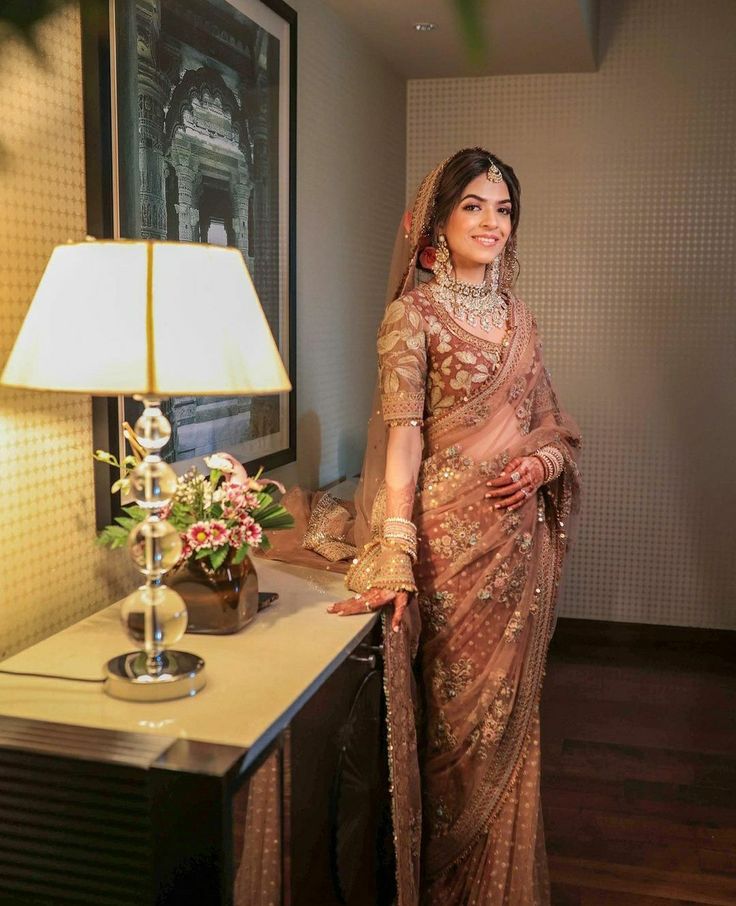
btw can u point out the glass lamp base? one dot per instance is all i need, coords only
(127, 676)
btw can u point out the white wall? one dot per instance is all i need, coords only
(350, 175)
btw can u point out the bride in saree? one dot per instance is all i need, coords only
(460, 525)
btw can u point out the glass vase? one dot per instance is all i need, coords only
(220, 601)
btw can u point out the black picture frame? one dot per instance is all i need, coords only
(111, 45)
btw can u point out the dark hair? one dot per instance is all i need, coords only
(461, 169)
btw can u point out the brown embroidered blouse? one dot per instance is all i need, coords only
(427, 361)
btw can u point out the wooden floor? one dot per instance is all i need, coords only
(639, 765)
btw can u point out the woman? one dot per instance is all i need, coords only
(469, 482)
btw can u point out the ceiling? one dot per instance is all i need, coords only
(521, 36)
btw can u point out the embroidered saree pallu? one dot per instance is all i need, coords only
(487, 581)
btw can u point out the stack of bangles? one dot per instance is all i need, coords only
(552, 461)
(386, 561)
(401, 533)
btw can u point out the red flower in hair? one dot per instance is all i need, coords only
(427, 257)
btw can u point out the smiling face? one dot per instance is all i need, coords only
(478, 227)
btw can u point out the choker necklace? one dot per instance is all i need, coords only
(474, 303)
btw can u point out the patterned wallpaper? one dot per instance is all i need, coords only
(628, 259)
(50, 571)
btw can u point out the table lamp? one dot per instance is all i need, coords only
(157, 301)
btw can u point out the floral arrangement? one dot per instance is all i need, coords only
(220, 517)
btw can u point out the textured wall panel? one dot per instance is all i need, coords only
(629, 261)
(50, 571)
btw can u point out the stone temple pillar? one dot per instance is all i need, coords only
(152, 92)
(188, 214)
(241, 200)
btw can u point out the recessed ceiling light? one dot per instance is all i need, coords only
(424, 26)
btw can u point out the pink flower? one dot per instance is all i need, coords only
(248, 532)
(238, 497)
(198, 536)
(253, 534)
(218, 534)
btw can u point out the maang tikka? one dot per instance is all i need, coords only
(493, 174)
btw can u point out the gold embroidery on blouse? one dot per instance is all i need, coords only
(435, 608)
(402, 360)
(449, 680)
(402, 404)
(492, 725)
(460, 537)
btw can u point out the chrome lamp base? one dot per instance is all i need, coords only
(128, 676)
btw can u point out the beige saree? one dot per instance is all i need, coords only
(463, 677)
(487, 584)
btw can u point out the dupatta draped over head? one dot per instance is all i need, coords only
(463, 676)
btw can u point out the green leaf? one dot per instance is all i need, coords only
(265, 543)
(265, 511)
(137, 512)
(241, 554)
(112, 536)
(218, 557)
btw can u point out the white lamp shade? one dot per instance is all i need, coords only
(152, 318)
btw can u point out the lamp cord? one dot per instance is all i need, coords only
(72, 679)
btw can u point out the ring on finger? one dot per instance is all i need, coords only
(516, 476)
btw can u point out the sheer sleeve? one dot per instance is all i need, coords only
(402, 363)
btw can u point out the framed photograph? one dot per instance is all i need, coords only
(190, 114)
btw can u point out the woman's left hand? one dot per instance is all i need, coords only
(518, 481)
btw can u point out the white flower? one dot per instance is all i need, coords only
(219, 462)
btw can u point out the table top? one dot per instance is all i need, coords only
(257, 679)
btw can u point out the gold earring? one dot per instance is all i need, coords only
(441, 266)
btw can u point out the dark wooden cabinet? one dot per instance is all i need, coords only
(339, 780)
(94, 817)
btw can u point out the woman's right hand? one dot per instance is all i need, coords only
(373, 599)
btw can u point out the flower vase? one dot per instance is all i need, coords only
(219, 601)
